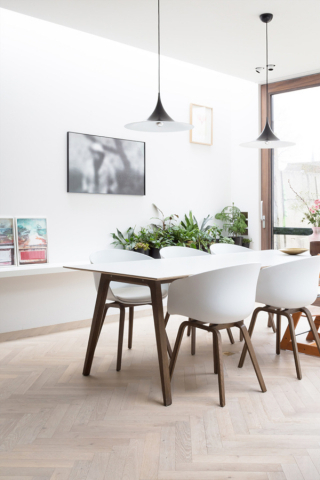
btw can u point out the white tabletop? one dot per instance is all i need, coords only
(172, 268)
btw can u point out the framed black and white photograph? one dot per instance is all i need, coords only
(105, 165)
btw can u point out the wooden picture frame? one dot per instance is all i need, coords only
(201, 117)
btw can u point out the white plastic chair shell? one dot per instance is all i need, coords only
(224, 295)
(124, 292)
(290, 285)
(219, 248)
(175, 252)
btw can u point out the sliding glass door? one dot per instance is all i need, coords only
(294, 171)
(296, 117)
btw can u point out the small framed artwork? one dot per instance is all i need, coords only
(7, 242)
(105, 165)
(32, 240)
(201, 119)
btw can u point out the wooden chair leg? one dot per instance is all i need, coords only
(131, 315)
(294, 344)
(215, 351)
(253, 357)
(312, 326)
(218, 345)
(230, 335)
(120, 338)
(271, 322)
(251, 327)
(240, 336)
(278, 333)
(193, 340)
(177, 347)
(189, 330)
(169, 349)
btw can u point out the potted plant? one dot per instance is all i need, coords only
(155, 242)
(165, 222)
(142, 247)
(234, 223)
(246, 242)
(142, 241)
(228, 216)
(227, 240)
(126, 241)
(216, 233)
(238, 229)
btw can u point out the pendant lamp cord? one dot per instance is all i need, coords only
(267, 71)
(159, 47)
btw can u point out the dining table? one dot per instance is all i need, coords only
(153, 275)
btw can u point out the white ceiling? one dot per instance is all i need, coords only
(224, 35)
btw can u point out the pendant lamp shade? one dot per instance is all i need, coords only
(267, 139)
(159, 120)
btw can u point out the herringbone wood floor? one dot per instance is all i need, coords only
(56, 424)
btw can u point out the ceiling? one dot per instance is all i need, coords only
(223, 35)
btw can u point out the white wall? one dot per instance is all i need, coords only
(54, 79)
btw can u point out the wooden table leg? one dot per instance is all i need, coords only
(161, 338)
(97, 320)
(310, 335)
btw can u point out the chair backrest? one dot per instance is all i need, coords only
(290, 285)
(218, 248)
(224, 295)
(115, 255)
(174, 252)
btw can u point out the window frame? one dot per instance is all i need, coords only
(284, 86)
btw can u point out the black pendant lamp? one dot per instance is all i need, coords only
(267, 139)
(159, 120)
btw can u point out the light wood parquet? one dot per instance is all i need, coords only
(56, 424)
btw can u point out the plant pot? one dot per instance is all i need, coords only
(237, 241)
(246, 245)
(315, 248)
(140, 250)
(154, 252)
(315, 241)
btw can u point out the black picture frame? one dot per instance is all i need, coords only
(141, 179)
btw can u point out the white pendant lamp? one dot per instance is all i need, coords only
(159, 120)
(267, 139)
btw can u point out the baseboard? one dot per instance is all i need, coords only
(63, 327)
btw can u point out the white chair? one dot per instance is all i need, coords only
(286, 289)
(219, 248)
(222, 248)
(178, 252)
(221, 298)
(124, 295)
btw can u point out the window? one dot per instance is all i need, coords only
(295, 117)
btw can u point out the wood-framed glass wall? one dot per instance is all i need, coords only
(295, 118)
